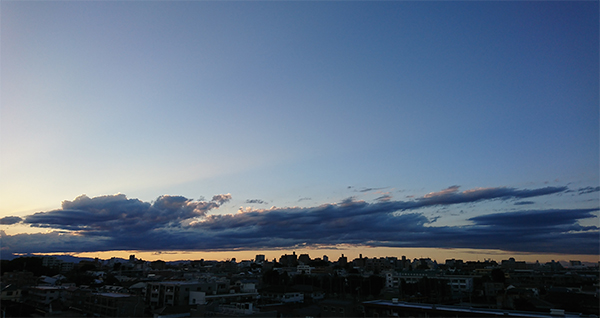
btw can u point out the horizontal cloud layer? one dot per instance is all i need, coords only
(177, 223)
(10, 220)
(115, 213)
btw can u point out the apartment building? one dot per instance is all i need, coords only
(176, 293)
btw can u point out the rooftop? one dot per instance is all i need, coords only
(466, 311)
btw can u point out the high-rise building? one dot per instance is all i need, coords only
(343, 260)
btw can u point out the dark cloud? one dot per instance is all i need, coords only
(177, 223)
(115, 213)
(257, 201)
(541, 218)
(304, 199)
(524, 202)
(54, 241)
(452, 196)
(10, 220)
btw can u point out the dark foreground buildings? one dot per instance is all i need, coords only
(297, 286)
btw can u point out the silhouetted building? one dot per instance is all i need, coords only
(454, 264)
(343, 260)
(304, 258)
(259, 258)
(511, 264)
(289, 260)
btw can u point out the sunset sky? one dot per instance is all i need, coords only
(205, 127)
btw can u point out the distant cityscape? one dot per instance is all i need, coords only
(297, 286)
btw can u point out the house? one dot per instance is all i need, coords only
(10, 293)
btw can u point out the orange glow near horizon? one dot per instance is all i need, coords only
(437, 254)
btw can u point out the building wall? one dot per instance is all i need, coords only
(12, 294)
(43, 295)
(113, 305)
(177, 293)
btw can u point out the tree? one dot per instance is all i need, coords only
(30, 264)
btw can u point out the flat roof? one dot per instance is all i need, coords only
(113, 295)
(469, 310)
(46, 287)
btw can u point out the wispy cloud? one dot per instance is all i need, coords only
(588, 190)
(384, 198)
(369, 189)
(177, 223)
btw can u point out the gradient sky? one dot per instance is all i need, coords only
(205, 126)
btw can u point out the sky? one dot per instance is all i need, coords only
(202, 128)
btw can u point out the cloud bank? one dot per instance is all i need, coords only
(115, 222)
(10, 220)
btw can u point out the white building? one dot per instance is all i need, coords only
(282, 295)
(304, 269)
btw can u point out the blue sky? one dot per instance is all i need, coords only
(298, 106)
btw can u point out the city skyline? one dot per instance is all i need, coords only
(240, 127)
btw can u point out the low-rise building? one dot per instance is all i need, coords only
(282, 294)
(44, 295)
(11, 293)
(304, 269)
(175, 293)
(459, 284)
(113, 305)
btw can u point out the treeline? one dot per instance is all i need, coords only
(30, 263)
